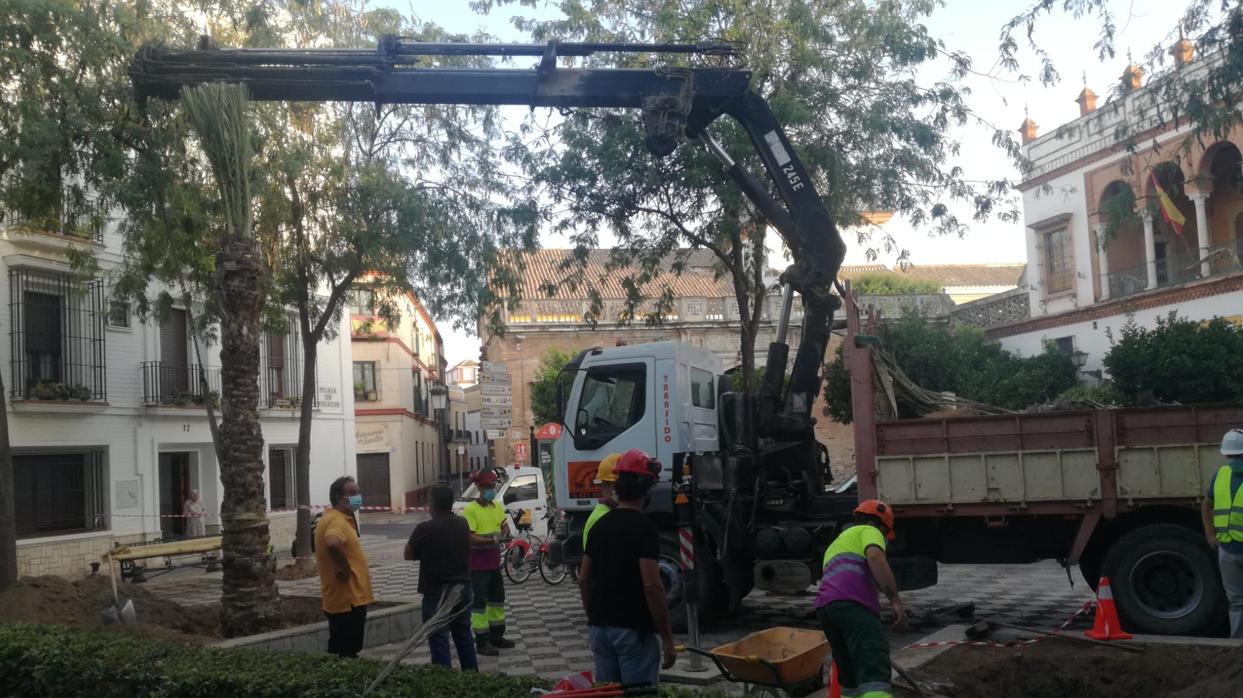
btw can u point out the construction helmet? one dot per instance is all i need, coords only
(1232, 443)
(484, 478)
(877, 508)
(607, 471)
(637, 462)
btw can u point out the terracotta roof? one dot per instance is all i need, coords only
(956, 275)
(694, 275)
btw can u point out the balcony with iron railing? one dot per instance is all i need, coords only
(56, 337)
(179, 385)
(1175, 269)
(80, 217)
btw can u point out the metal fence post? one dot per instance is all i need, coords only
(686, 545)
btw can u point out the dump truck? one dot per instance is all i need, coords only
(1114, 492)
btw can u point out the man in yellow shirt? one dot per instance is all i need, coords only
(344, 578)
(486, 519)
(606, 476)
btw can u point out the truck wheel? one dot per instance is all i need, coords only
(1165, 581)
(710, 582)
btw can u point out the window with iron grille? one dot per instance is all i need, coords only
(359, 301)
(1058, 260)
(58, 493)
(56, 334)
(365, 380)
(282, 374)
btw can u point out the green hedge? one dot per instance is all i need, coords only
(54, 661)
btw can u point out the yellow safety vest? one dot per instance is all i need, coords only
(1227, 514)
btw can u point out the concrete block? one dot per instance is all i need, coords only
(403, 626)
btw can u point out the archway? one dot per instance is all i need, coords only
(1223, 163)
(1123, 231)
(1176, 254)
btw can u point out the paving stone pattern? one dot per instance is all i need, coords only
(549, 625)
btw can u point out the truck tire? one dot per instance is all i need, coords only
(713, 594)
(1165, 581)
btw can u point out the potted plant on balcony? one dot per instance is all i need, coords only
(44, 390)
(81, 392)
(182, 398)
(360, 391)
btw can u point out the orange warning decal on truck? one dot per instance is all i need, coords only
(582, 477)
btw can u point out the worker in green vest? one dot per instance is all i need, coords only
(606, 475)
(1222, 514)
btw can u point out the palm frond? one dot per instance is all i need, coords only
(218, 113)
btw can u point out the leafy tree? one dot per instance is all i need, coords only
(397, 198)
(839, 78)
(544, 388)
(1179, 360)
(891, 284)
(960, 360)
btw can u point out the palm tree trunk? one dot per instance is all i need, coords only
(249, 602)
(8, 513)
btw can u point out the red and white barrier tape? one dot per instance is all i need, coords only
(686, 546)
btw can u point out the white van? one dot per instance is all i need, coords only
(518, 487)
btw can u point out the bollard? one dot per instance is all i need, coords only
(690, 583)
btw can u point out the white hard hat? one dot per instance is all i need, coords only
(1232, 443)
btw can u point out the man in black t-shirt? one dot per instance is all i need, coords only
(620, 583)
(442, 547)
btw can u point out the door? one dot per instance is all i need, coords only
(174, 355)
(611, 410)
(174, 483)
(280, 478)
(523, 492)
(373, 479)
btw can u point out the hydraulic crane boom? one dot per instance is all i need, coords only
(675, 102)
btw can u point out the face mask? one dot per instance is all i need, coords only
(489, 495)
(356, 502)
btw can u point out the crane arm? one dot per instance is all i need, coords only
(675, 103)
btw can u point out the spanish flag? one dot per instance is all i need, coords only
(1169, 211)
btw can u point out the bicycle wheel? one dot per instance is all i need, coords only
(516, 568)
(553, 574)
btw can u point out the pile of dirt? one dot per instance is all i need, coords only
(1059, 669)
(79, 603)
(297, 570)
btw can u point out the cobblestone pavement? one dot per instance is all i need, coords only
(549, 625)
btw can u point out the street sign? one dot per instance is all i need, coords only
(497, 423)
(485, 378)
(496, 389)
(494, 367)
(493, 434)
(496, 400)
(496, 411)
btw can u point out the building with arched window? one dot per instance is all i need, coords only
(1129, 217)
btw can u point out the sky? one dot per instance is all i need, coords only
(998, 97)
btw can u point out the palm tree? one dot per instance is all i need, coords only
(249, 604)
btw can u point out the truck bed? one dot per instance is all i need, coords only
(1044, 462)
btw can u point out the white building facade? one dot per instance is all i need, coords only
(107, 415)
(1104, 243)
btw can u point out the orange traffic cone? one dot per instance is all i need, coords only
(835, 688)
(1107, 626)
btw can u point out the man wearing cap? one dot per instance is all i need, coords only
(487, 523)
(1222, 514)
(606, 475)
(620, 583)
(848, 608)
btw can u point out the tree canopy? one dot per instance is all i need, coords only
(1178, 360)
(544, 387)
(891, 283)
(840, 79)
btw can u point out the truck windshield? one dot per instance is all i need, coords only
(612, 400)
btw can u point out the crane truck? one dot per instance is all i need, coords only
(1113, 491)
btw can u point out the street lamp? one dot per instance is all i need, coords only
(440, 401)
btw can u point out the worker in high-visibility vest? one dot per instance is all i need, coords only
(847, 607)
(1222, 514)
(486, 519)
(606, 476)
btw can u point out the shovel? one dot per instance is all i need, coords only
(117, 613)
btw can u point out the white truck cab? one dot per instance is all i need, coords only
(518, 488)
(659, 397)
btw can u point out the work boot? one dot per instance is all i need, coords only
(498, 639)
(485, 648)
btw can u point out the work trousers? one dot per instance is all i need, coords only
(346, 630)
(859, 647)
(1232, 580)
(459, 627)
(487, 616)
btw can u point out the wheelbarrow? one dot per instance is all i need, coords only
(773, 662)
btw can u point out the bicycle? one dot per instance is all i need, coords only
(526, 551)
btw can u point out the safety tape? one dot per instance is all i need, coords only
(1087, 605)
(218, 515)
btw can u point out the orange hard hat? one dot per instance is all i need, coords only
(882, 511)
(637, 462)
